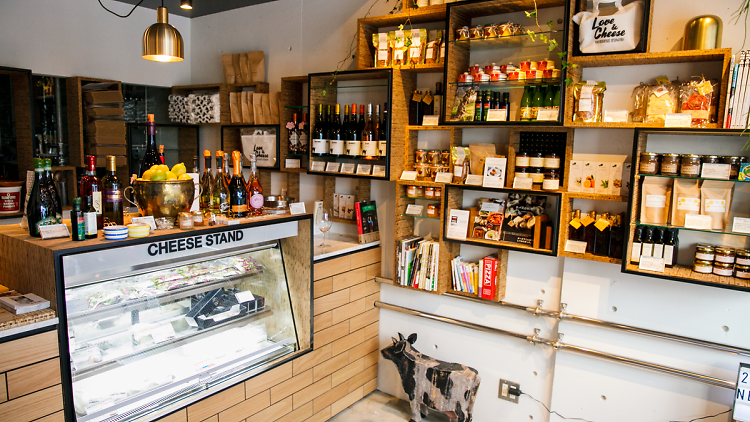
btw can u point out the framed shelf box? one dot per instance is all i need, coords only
(645, 34)
(231, 140)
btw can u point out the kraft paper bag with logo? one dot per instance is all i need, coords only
(257, 65)
(274, 100)
(618, 32)
(245, 69)
(235, 111)
(226, 63)
(258, 108)
(237, 71)
(266, 109)
(247, 107)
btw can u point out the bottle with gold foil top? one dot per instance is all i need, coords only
(237, 190)
(589, 231)
(601, 239)
(113, 206)
(220, 190)
(575, 231)
(254, 190)
(207, 181)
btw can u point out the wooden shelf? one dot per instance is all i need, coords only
(595, 197)
(418, 127)
(591, 257)
(631, 125)
(417, 290)
(715, 55)
(502, 245)
(415, 16)
(417, 68)
(686, 274)
(343, 221)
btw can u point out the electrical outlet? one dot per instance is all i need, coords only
(504, 392)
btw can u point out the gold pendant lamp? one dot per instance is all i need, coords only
(161, 41)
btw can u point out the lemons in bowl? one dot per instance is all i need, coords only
(160, 173)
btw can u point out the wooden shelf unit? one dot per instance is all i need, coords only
(22, 91)
(566, 214)
(225, 116)
(292, 94)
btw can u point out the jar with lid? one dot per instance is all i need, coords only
(438, 193)
(429, 193)
(522, 160)
(419, 192)
(433, 170)
(649, 163)
(421, 170)
(551, 181)
(433, 210)
(704, 252)
(411, 191)
(186, 220)
(734, 165)
(420, 156)
(710, 159)
(704, 267)
(742, 257)
(723, 269)
(724, 254)
(536, 160)
(537, 177)
(433, 157)
(552, 161)
(670, 164)
(742, 271)
(445, 158)
(197, 218)
(522, 172)
(691, 165)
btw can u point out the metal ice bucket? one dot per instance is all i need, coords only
(163, 199)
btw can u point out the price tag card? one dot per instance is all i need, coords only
(496, 115)
(162, 333)
(523, 183)
(699, 222)
(332, 167)
(244, 296)
(409, 175)
(364, 169)
(443, 177)
(650, 263)
(318, 166)
(490, 207)
(677, 120)
(474, 180)
(145, 220)
(54, 231)
(414, 209)
(715, 171)
(574, 246)
(347, 168)
(378, 171)
(741, 225)
(618, 116)
(548, 114)
(297, 208)
(430, 120)
(292, 163)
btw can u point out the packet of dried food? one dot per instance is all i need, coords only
(432, 54)
(696, 98)
(640, 94)
(418, 46)
(588, 101)
(464, 104)
(383, 43)
(399, 49)
(460, 157)
(662, 99)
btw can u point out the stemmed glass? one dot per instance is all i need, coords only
(324, 221)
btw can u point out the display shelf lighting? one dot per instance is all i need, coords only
(162, 42)
(187, 4)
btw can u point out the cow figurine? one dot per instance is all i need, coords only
(450, 388)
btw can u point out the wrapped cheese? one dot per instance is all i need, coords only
(588, 101)
(697, 99)
(662, 99)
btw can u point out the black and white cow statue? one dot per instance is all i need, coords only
(450, 388)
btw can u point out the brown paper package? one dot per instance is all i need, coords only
(266, 109)
(258, 108)
(712, 192)
(274, 100)
(257, 65)
(684, 196)
(248, 116)
(234, 107)
(245, 69)
(226, 63)
(654, 188)
(237, 71)
(480, 152)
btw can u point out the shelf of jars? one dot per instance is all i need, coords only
(688, 220)
(503, 67)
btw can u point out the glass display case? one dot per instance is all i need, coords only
(160, 325)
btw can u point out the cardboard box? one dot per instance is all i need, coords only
(575, 181)
(109, 128)
(106, 150)
(120, 161)
(615, 178)
(602, 179)
(102, 97)
(106, 140)
(105, 111)
(588, 176)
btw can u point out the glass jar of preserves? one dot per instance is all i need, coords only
(438, 193)
(723, 269)
(537, 177)
(433, 170)
(522, 160)
(551, 181)
(704, 252)
(420, 192)
(445, 158)
(476, 32)
(691, 165)
(734, 165)
(724, 254)
(522, 172)
(421, 170)
(420, 156)
(433, 156)
(710, 159)
(433, 210)
(429, 192)
(552, 161)
(536, 160)
(186, 220)
(197, 218)
(742, 271)
(742, 257)
(463, 33)
(670, 164)
(649, 163)
(411, 191)
(704, 267)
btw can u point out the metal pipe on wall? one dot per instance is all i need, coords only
(559, 345)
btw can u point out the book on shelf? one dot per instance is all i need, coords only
(479, 279)
(23, 303)
(418, 263)
(367, 221)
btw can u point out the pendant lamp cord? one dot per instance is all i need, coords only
(125, 16)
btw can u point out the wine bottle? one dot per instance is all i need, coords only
(549, 98)
(671, 242)
(486, 106)
(382, 134)
(254, 190)
(525, 115)
(589, 231)
(369, 137)
(195, 164)
(237, 189)
(616, 236)
(113, 209)
(635, 251)
(478, 106)
(52, 189)
(437, 107)
(77, 226)
(602, 235)
(304, 135)
(293, 145)
(91, 227)
(40, 211)
(227, 175)
(346, 127)
(151, 157)
(575, 231)
(362, 121)
(537, 102)
(207, 182)
(506, 105)
(427, 104)
(648, 242)
(354, 140)
(319, 142)
(161, 153)
(92, 186)
(220, 190)
(337, 138)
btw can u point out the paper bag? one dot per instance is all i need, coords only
(226, 62)
(237, 70)
(234, 107)
(245, 69)
(258, 108)
(274, 100)
(266, 109)
(257, 65)
(247, 107)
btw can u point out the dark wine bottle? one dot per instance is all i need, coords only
(382, 134)
(616, 237)
(40, 211)
(52, 189)
(602, 235)
(207, 182)
(589, 231)
(671, 245)
(362, 121)
(304, 135)
(648, 242)
(92, 186)
(337, 137)
(151, 157)
(113, 208)
(414, 106)
(237, 190)
(575, 231)
(319, 141)
(658, 251)
(635, 251)
(505, 105)
(369, 137)
(354, 138)
(77, 226)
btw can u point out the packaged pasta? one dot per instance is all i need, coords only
(418, 46)
(460, 159)
(696, 98)
(640, 95)
(432, 54)
(662, 99)
(383, 43)
(464, 104)
(588, 101)
(399, 46)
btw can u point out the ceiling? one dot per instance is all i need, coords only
(200, 7)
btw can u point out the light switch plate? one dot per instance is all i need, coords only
(504, 394)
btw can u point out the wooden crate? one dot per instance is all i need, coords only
(76, 123)
(515, 144)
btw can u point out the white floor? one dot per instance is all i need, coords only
(381, 407)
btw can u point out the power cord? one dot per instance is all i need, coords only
(121, 16)
(706, 417)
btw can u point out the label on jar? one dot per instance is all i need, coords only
(10, 202)
(370, 148)
(522, 175)
(702, 269)
(725, 259)
(320, 146)
(354, 148)
(522, 161)
(336, 147)
(648, 168)
(552, 163)
(382, 55)
(742, 274)
(550, 184)
(704, 256)
(688, 204)
(690, 170)
(537, 162)
(537, 177)
(669, 168)
(725, 272)
(743, 261)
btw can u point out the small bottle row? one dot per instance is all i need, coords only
(602, 233)
(655, 242)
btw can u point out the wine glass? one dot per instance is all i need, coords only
(324, 221)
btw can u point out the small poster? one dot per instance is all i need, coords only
(458, 224)
(494, 172)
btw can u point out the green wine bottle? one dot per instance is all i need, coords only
(537, 103)
(526, 105)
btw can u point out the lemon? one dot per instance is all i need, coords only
(179, 169)
(163, 168)
(158, 176)
(171, 176)
(184, 177)
(147, 175)
(155, 167)
(140, 179)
